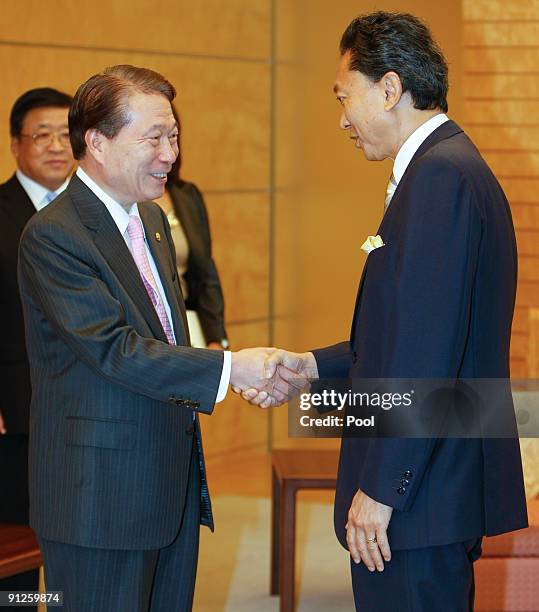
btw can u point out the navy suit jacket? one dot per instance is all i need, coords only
(111, 417)
(435, 302)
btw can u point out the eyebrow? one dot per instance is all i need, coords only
(48, 125)
(161, 126)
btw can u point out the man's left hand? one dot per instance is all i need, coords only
(366, 531)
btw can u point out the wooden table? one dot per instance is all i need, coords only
(19, 550)
(293, 470)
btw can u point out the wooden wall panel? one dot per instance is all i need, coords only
(528, 268)
(525, 215)
(501, 88)
(504, 86)
(481, 60)
(513, 163)
(493, 10)
(504, 136)
(241, 248)
(223, 104)
(500, 111)
(505, 34)
(524, 191)
(221, 28)
(521, 320)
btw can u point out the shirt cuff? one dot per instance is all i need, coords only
(225, 377)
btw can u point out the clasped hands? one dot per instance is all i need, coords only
(268, 376)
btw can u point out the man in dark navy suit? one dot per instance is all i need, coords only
(435, 301)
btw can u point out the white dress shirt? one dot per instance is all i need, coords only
(413, 142)
(121, 218)
(35, 191)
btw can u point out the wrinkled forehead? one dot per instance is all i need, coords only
(150, 110)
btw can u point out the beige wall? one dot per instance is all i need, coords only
(501, 88)
(217, 54)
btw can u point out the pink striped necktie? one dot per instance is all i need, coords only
(138, 249)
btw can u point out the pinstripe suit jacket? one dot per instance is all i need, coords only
(111, 425)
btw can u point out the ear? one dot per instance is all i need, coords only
(14, 146)
(96, 144)
(392, 89)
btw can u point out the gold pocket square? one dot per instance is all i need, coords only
(372, 242)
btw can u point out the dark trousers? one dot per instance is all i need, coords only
(14, 503)
(99, 580)
(437, 579)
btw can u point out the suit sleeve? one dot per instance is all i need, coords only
(430, 325)
(60, 284)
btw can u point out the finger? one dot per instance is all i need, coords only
(271, 362)
(375, 553)
(267, 403)
(383, 544)
(254, 398)
(249, 394)
(236, 389)
(351, 541)
(361, 543)
(276, 392)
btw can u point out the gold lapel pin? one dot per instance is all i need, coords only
(158, 236)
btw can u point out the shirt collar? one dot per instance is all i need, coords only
(118, 213)
(413, 142)
(35, 191)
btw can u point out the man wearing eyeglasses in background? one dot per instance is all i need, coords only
(40, 145)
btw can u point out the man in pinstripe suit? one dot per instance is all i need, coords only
(117, 478)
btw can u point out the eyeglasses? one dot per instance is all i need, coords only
(42, 140)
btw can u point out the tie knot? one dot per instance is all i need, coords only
(134, 229)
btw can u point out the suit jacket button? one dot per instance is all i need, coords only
(401, 490)
(195, 404)
(172, 399)
(190, 430)
(180, 402)
(354, 357)
(408, 474)
(405, 482)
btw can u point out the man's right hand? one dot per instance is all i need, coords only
(2, 426)
(292, 371)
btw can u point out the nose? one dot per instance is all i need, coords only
(344, 123)
(168, 152)
(56, 143)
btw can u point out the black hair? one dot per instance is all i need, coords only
(35, 98)
(382, 42)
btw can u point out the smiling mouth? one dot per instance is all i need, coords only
(160, 176)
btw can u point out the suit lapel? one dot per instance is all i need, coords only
(446, 130)
(153, 225)
(112, 246)
(17, 204)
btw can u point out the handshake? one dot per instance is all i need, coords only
(268, 376)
